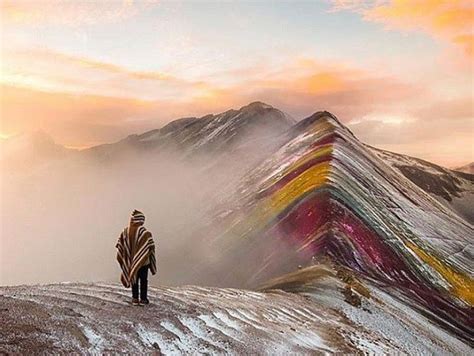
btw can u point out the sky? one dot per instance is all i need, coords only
(398, 73)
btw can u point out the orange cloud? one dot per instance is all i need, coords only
(307, 85)
(467, 43)
(84, 120)
(449, 20)
(49, 70)
(95, 102)
(53, 56)
(433, 16)
(64, 73)
(314, 86)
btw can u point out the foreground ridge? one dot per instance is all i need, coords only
(318, 316)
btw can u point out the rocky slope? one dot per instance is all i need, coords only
(325, 312)
(31, 149)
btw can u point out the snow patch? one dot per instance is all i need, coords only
(95, 340)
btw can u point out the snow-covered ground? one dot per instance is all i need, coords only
(454, 189)
(314, 317)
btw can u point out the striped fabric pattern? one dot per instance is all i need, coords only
(137, 217)
(133, 252)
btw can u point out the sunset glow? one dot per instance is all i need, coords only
(399, 73)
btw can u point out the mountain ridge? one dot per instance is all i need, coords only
(325, 194)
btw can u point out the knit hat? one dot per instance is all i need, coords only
(138, 217)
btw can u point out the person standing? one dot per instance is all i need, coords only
(136, 255)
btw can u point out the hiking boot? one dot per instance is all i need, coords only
(135, 301)
(145, 301)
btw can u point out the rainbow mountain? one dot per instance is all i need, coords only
(325, 196)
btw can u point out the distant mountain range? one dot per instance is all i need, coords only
(468, 168)
(250, 133)
(33, 148)
(250, 126)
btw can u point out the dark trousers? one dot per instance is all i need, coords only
(142, 279)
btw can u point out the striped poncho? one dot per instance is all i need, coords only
(134, 252)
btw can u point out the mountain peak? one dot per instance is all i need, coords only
(31, 147)
(319, 116)
(41, 136)
(35, 139)
(257, 105)
(468, 168)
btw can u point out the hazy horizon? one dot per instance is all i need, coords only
(398, 74)
(55, 139)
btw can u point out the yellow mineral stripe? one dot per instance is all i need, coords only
(271, 206)
(461, 285)
(310, 179)
(320, 152)
(320, 128)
